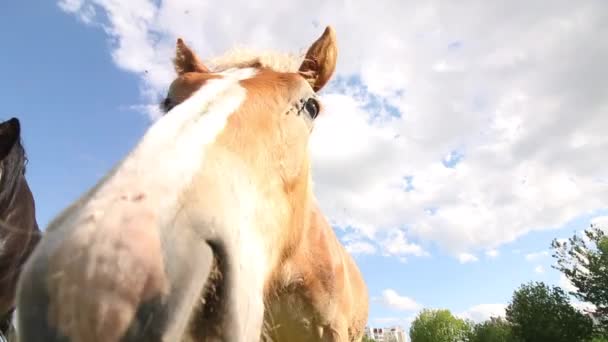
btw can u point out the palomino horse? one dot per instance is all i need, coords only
(320, 285)
(19, 231)
(208, 229)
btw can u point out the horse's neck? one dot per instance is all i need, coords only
(16, 213)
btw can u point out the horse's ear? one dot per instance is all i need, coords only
(186, 60)
(10, 132)
(320, 61)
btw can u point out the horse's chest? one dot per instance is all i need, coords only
(290, 317)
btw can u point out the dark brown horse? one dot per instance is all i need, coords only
(19, 231)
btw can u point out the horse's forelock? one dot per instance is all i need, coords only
(243, 57)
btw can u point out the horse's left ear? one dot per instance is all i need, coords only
(320, 61)
(10, 131)
(186, 60)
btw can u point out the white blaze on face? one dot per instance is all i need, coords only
(173, 149)
(163, 165)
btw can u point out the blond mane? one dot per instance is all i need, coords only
(242, 57)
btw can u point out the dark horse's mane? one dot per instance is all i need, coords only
(13, 166)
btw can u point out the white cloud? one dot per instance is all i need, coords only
(355, 244)
(492, 253)
(391, 299)
(360, 247)
(539, 269)
(464, 258)
(583, 306)
(566, 284)
(85, 12)
(519, 94)
(397, 244)
(601, 222)
(482, 312)
(536, 255)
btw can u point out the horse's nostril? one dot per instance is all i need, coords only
(138, 197)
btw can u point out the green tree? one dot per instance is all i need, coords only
(539, 313)
(585, 264)
(493, 330)
(367, 339)
(439, 326)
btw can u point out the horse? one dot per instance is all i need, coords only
(19, 232)
(208, 230)
(320, 270)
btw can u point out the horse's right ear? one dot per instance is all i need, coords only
(10, 132)
(320, 61)
(186, 60)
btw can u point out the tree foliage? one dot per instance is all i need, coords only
(585, 264)
(367, 339)
(539, 313)
(439, 326)
(493, 330)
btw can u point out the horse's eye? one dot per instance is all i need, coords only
(312, 107)
(167, 105)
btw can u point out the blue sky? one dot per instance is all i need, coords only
(62, 82)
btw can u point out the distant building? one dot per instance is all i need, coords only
(390, 334)
(397, 334)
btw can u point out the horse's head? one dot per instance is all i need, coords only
(17, 208)
(18, 228)
(270, 106)
(316, 68)
(181, 238)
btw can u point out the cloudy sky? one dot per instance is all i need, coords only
(459, 138)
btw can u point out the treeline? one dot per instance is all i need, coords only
(538, 312)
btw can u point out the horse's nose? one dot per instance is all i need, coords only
(108, 267)
(114, 270)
